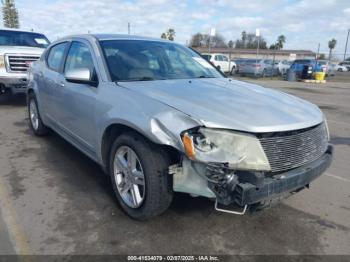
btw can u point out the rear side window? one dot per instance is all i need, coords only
(55, 57)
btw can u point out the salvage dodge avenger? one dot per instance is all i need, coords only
(160, 119)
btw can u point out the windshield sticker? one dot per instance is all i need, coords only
(41, 41)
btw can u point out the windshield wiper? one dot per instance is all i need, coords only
(203, 76)
(144, 78)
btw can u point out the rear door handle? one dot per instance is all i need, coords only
(61, 84)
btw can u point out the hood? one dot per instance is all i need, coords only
(231, 104)
(21, 50)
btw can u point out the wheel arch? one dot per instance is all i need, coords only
(114, 130)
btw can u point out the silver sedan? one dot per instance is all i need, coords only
(160, 119)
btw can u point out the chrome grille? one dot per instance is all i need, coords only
(20, 63)
(295, 149)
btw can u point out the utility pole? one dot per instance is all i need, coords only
(128, 28)
(211, 34)
(346, 45)
(318, 51)
(257, 34)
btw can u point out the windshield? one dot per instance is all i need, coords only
(138, 60)
(17, 38)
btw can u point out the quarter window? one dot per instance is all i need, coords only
(55, 57)
(78, 57)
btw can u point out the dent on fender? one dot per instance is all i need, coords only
(167, 127)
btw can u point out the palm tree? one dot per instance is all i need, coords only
(280, 41)
(331, 45)
(170, 34)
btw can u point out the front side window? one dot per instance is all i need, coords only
(138, 60)
(18, 38)
(55, 57)
(79, 57)
(224, 58)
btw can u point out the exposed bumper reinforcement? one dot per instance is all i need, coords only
(288, 182)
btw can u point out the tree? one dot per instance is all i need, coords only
(331, 45)
(10, 14)
(273, 47)
(169, 34)
(280, 41)
(322, 56)
(230, 44)
(250, 41)
(202, 40)
(197, 40)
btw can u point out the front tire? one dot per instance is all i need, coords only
(139, 174)
(35, 122)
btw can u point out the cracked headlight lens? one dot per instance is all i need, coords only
(240, 150)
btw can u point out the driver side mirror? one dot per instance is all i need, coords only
(81, 76)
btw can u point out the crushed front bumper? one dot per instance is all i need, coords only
(274, 187)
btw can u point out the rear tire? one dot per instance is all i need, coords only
(35, 122)
(154, 195)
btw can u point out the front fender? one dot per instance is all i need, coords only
(156, 121)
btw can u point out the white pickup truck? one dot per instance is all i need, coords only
(18, 49)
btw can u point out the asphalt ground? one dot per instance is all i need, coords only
(54, 200)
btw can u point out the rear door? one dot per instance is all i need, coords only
(225, 64)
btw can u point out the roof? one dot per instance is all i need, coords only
(253, 51)
(19, 30)
(101, 37)
(128, 37)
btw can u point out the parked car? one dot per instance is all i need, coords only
(221, 62)
(159, 119)
(238, 62)
(18, 49)
(340, 68)
(257, 67)
(345, 63)
(282, 66)
(298, 67)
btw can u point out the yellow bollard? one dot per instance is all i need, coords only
(320, 76)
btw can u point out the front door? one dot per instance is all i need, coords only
(79, 100)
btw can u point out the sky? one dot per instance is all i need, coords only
(305, 23)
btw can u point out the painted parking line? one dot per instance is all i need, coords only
(17, 235)
(338, 177)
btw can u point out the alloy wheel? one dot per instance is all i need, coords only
(129, 177)
(33, 114)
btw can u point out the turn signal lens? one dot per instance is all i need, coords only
(188, 145)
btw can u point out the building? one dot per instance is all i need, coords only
(263, 53)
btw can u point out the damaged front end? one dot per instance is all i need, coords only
(232, 168)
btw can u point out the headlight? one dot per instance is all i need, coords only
(241, 151)
(2, 61)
